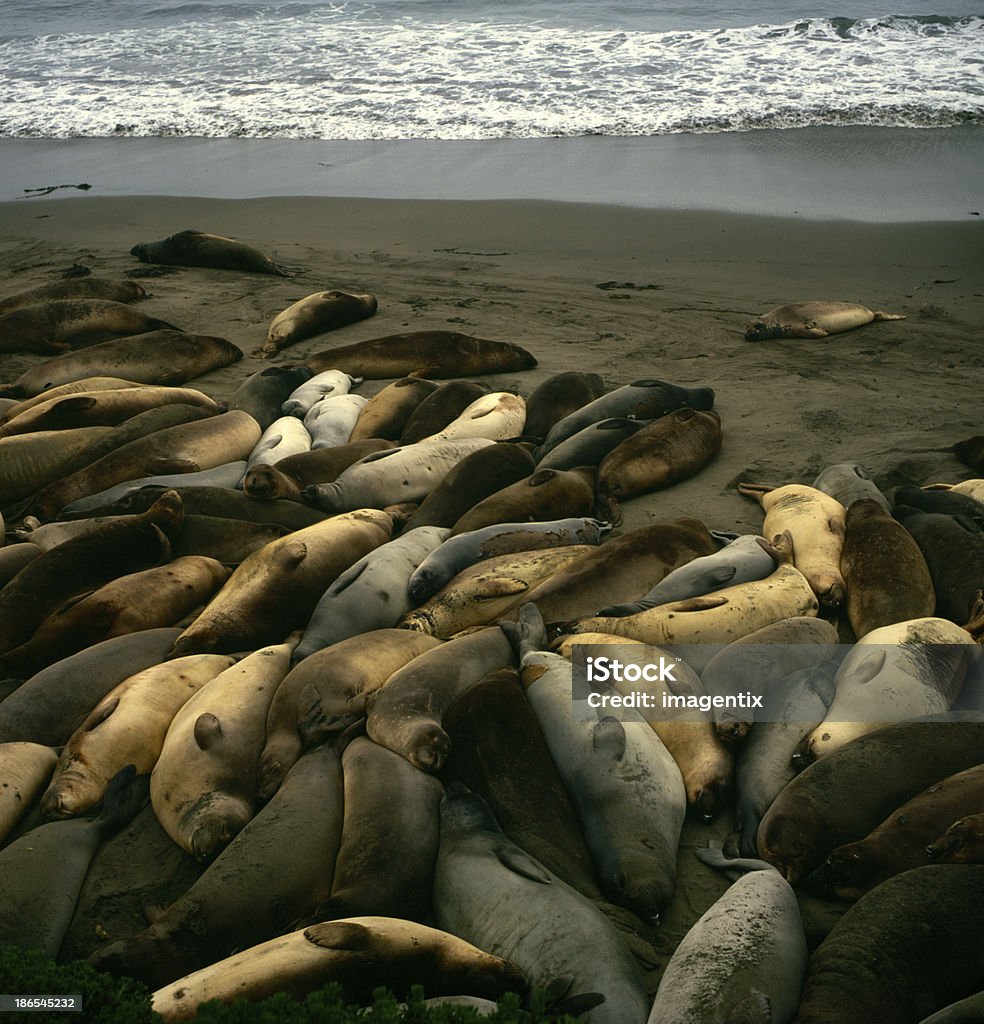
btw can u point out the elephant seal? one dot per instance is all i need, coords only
(264, 393)
(627, 788)
(496, 895)
(975, 488)
(331, 382)
(641, 400)
(742, 560)
(718, 618)
(405, 715)
(84, 563)
(815, 522)
(390, 834)
(971, 452)
(55, 326)
(48, 706)
(155, 357)
(285, 436)
(41, 873)
(307, 469)
(102, 408)
(589, 446)
(841, 798)
(80, 288)
(497, 416)
(953, 547)
(229, 541)
(276, 589)
(793, 706)
(558, 396)
(31, 461)
(223, 503)
(332, 420)
(885, 573)
(407, 473)
(126, 727)
(849, 482)
(138, 426)
(874, 965)
(498, 752)
(961, 843)
(360, 953)
(901, 841)
(430, 354)
(14, 407)
(762, 660)
(745, 959)
(670, 449)
(387, 412)
(25, 769)
(371, 594)
(13, 558)
(150, 598)
(439, 408)
(621, 569)
(892, 674)
(224, 476)
(457, 553)
(489, 589)
(315, 314)
(813, 320)
(184, 448)
(545, 495)
(475, 478)
(326, 693)
(273, 872)
(202, 787)
(198, 249)
(951, 503)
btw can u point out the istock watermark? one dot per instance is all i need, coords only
(869, 684)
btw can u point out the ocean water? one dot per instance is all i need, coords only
(481, 69)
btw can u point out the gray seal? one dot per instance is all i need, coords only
(589, 446)
(742, 560)
(849, 482)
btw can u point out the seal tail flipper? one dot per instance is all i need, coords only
(607, 508)
(975, 619)
(879, 315)
(713, 856)
(126, 794)
(755, 1008)
(528, 633)
(286, 270)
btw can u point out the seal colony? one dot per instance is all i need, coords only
(511, 888)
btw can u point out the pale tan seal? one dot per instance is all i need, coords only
(813, 320)
(315, 314)
(78, 288)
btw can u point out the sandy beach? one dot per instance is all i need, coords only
(629, 292)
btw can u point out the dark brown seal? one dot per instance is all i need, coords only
(557, 397)
(546, 495)
(80, 288)
(319, 466)
(474, 478)
(199, 249)
(387, 412)
(910, 947)
(971, 453)
(886, 574)
(902, 841)
(430, 354)
(842, 797)
(668, 450)
(439, 408)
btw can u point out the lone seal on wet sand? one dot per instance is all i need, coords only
(813, 320)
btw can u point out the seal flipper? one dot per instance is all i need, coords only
(608, 739)
(755, 1008)
(344, 935)
(527, 634)
(520, 863)
(208, 730)
(125, 795)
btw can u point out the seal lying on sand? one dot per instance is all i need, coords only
(813, 320)
(199, 249)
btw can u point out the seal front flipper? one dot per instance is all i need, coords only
(608, 739)
(755, 1008)
(520, 863)
(208, 731)
(126, 793)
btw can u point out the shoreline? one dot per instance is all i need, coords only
(852, 173)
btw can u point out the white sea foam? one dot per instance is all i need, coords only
(375, 71)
